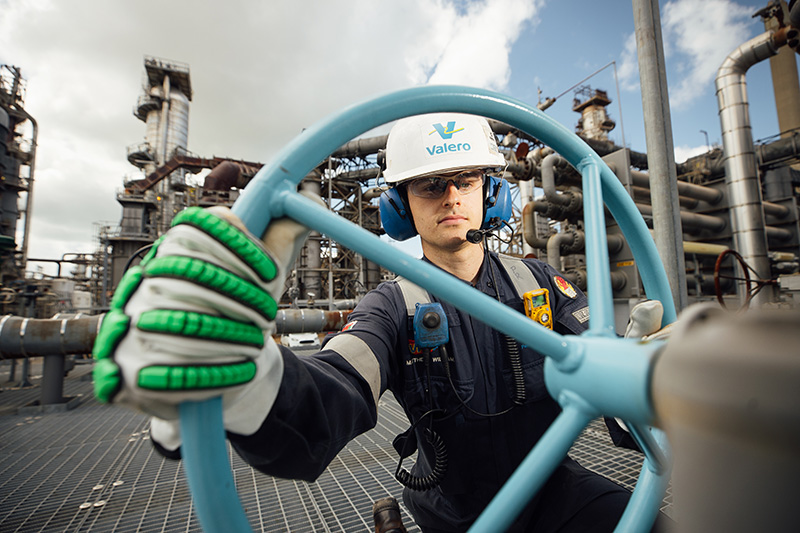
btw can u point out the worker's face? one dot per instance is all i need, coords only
(443, 221)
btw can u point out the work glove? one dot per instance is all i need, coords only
(645, 322)
(194, 320)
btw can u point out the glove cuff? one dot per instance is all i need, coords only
(244, 413)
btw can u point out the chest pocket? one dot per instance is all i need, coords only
(527, 372)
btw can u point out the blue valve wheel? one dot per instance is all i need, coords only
(576, 366)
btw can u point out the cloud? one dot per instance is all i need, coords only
(261, 72)
(697, 37)
(684, 152)
(702, 35)
(473, 48)
(628, 65)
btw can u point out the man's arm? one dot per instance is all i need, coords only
(328, 398)
(195, 321)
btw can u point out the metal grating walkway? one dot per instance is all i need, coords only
(92, 468)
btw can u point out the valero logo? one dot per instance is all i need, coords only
(446, 133)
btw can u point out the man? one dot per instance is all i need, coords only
(194, 321)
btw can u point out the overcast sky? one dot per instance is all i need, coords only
(262, 71)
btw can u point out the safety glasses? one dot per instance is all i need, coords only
(433, 187)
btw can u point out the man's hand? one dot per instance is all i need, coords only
(645, 322)
(194, 320)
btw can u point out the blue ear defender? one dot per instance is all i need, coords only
(498, 201)
(396, 217)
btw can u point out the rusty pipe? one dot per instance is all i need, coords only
(34, 337)
(310, 320)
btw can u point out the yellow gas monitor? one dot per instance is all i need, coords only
(537, 307)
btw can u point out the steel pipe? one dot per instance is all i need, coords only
(691, 220)
(32, 337)
(309, 320)
(741, 173)
(572, 241)
(361, 147)
(777, 234)
(554, 244)
(643, 194)
(549, 180)
(690, 190)
(529, 228)
(775, 210)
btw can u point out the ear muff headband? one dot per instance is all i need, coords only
(396, 216)
(498, 201)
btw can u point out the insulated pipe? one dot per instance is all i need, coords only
(698, 192)
(31, 337)
(691, 220)
(361, 147)
(691, 192)
(361, 174)
(772, 154)
(529, 228)
(603, 148)
(778, 234)
(309, 320)
(703, 248)
(571, 239)
(549, 179)
(741, 172)
(775, 210)
(643, 194)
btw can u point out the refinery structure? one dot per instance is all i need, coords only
(737, 209)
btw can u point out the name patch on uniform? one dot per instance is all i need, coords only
(565, 287)
(581, 315)
(349, 325)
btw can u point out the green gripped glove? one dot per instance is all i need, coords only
(194, 320)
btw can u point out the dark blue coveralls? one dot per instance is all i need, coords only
(327, 399)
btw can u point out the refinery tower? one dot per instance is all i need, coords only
(164, 108)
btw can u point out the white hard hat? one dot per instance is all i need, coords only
(438, 143)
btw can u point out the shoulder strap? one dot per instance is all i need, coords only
(412, 294)
(521, 276)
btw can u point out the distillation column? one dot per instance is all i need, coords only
(164, 108)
